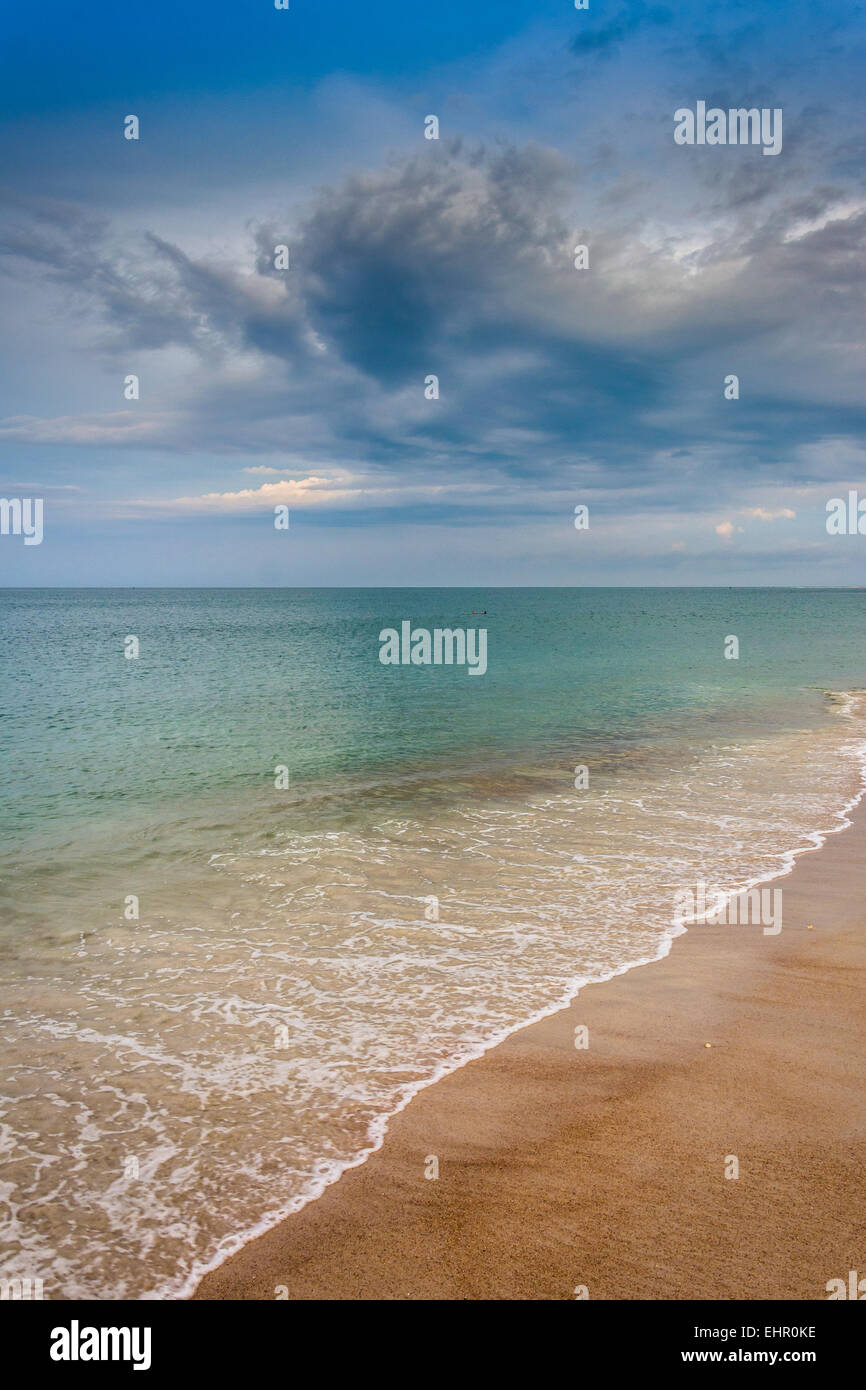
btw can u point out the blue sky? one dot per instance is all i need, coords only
(411, 257)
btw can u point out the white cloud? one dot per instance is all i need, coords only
(116, 427)
(761, 513)
(297, 491)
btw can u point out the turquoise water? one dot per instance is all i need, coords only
(231, 682)
(178, 1078)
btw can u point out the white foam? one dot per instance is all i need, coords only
(171, 1028)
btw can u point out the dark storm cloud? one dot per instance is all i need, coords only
(397, 262)
(458, 262)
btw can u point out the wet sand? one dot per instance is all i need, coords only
(605, 1167)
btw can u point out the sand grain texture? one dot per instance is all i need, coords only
(605, 1167)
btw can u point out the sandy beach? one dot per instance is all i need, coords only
(604, 1168)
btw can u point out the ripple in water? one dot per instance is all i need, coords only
(178, 1083)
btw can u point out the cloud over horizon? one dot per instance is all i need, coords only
(455, 259)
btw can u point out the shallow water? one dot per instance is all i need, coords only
(303, 960)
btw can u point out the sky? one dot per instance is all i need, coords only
(411, 258)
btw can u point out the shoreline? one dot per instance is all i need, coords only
(375, 1231)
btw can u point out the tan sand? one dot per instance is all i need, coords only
(606, 1167)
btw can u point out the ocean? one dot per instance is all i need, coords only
(257, 888)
